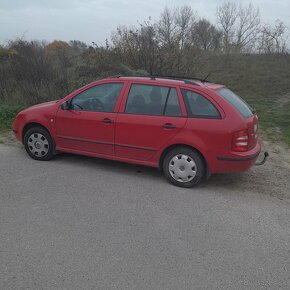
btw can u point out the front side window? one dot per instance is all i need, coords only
(198, 106)
(100, 98)
(153, 100)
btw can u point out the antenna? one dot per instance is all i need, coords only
(204, 80)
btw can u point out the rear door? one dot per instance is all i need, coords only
(149, 117)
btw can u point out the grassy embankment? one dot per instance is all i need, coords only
(262, 80)
(7, 115)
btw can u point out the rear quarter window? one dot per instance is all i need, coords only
(198, 106)
(238, 103)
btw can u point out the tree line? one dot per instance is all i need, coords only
(179, 42)
(170, 43)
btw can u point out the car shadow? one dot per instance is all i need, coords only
(217, 180)
(257, 179)
(226, 179)
(109, 165)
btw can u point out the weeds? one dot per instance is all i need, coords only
(7, 115)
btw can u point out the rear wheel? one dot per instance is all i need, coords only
(183, 167)
(39, 144)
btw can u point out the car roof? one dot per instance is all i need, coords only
(168, 80)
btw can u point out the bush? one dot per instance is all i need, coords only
(7, 115)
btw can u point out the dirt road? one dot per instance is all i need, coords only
(273, 178)
(84, 223)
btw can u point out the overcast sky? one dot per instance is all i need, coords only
(94, 20)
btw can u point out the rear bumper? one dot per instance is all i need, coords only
(238, 159)
(236, 162)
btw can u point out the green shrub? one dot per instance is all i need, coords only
(281, 119)
(7, 115)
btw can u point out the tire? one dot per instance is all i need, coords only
(184, 167)
(39, 144)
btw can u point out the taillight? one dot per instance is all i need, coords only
(240, 141)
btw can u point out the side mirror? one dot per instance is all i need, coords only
(65, 105)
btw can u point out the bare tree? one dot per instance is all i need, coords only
(227, 15)
(137, 46)
(184, 18)
(148, 46)
(273, 38)
(166, 28)
(206, 36)
(77, 45)
(248, 27)
(125, 44)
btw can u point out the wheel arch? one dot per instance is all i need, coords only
(30, 125)
(171, 147)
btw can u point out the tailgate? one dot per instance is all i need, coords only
(252, 125)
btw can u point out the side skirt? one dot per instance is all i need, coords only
(108, 157)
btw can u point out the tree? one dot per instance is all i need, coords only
(60, 53)
(184, 19)
(137, 46)
(77, 45)
(227, 15)
(206, 36)
(248, 28)
(166, 28)
(240, 26)
(272, 38)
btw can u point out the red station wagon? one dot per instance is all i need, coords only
(189, 128)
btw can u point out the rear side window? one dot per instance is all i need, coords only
(152, 100)
(244, 109)
(198, 106)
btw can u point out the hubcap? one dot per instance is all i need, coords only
(38, 145)
(182, 168)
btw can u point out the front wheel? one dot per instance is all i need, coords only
(183, 167)
(39, 144)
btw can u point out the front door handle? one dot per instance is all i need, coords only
(169, 126)
(107, 121)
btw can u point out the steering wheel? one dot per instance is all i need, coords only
(96, 105)
(79, 106)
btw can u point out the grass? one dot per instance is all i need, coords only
(274, 119)
(280, 117)
(262, 80)
(7, 115)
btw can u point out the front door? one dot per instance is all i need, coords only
(89, 123)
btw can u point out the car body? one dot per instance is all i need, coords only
(140, 120)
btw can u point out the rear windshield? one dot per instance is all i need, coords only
(237, 102)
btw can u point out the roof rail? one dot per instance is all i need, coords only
(182, 77)
(114, 76)
(186, 80)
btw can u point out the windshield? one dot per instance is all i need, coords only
(244, 109)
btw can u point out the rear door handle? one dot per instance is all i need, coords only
(169, 126)
(107, 121)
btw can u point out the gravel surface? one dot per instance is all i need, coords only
(84, 223)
